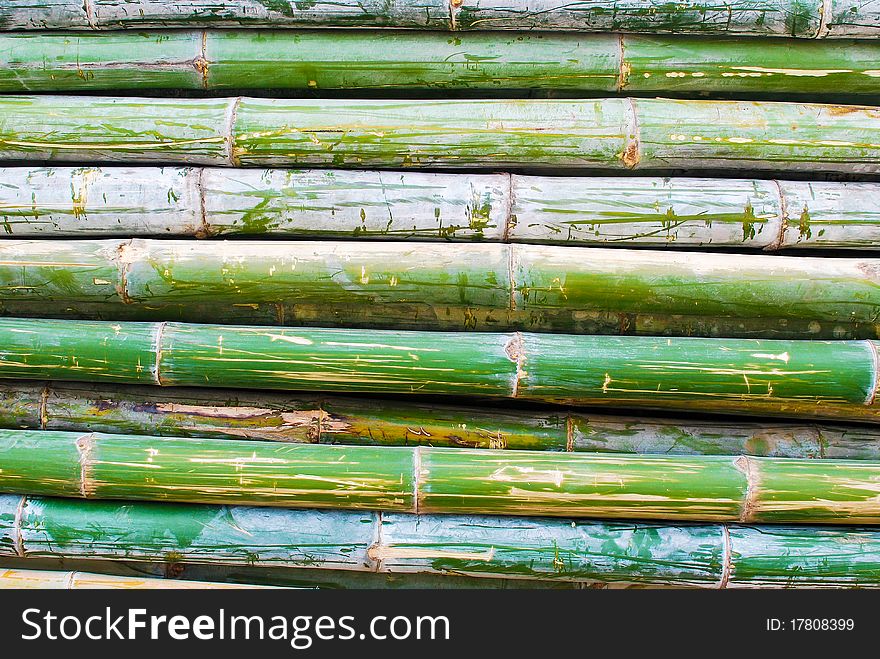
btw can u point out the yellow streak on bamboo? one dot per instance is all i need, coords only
(380, 552)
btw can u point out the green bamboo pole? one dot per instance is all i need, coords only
(721, 375)
(439, 480)
(612, 133)
(618, 552)
(401, 60)
(56, 580)
(309, 419)
(436, 286)
(325, 204)
(833, 18)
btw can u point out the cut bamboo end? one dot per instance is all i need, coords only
(400, 60)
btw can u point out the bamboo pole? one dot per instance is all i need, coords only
(721, 375)
(705, 555)
(436, 286)
(403, 60)
(440, 480)
(310, 419)
(443, 287)
(611, 133)
(606, 211)
(56, 580)
(836, 18)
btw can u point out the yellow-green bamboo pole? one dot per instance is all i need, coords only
(440, 480)
(609, 133)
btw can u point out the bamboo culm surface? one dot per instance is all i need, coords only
(719, 375)
(408, 60)
(361, 205)
(440, 480)
(610, 133)
(704, 555)
(310, 419)
(437, 286)
(56, 580)
(797, 18)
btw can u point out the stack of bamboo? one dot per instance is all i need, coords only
(264, 322)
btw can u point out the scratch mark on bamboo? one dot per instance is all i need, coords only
(511, 279)
(201, 194)
(125, 255)
(44, 406)
(68, 581)
(632, 146)
(726, 557)
(821, 442)
(378, 518)
(89, 10)
(875, 373)
(454, 9)
(569, 432)
(417, 478)
(749, 468)
(383, 551)
(85, 445)
(515, 351)
(200, 63)
(509, 201)
(158, 335)
(321, 418)
(825, 9)
(214, 411)
(776, 242)
(17, 537)
(623, 67)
